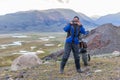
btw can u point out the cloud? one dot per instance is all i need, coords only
(63, 1)
(60, 1)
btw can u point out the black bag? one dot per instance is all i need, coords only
(83, 50)
(82, 44)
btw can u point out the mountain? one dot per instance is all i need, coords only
(51, 20)
(95, 17)
(104, 39)
(90, 23)
(111, 18)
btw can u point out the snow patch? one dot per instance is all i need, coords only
(2, 47)
(51, 37)
(49, 44)
(25, 52)
(19, 36)
(47, 38)
(44, 39)
(40, 51)
(16, 43)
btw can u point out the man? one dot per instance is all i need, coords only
(72, 41)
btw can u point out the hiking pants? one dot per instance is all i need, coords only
(75, 49)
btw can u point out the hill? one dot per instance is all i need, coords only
(111, 18)
(104, 39)
(52, 20)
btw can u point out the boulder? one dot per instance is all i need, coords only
(25, 61)
(116, 53)
(54, 55)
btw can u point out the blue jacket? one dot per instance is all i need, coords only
(70, 28)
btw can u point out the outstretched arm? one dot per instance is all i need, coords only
(82, 30)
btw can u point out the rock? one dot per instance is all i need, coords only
(116, 53)
(96, 71)
(8, 78)
(20, 75)
(54, 55)
(59, 45)
(25, 61)
(86, 69)
(33, 47)
(46, 62)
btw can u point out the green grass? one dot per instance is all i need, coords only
(7, 60)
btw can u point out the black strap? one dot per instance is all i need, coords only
(75, 30)
(69, 32)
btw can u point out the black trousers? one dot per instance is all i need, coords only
(68, 48)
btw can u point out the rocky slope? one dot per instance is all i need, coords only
(104, 39)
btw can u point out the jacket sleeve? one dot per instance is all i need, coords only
(82, 30)
(67, 28)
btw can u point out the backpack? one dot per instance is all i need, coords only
(82, 44)
(83, 47)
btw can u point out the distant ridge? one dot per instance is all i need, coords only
(52, 20)
(111, 18)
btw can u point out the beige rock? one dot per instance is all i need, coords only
(25, 61)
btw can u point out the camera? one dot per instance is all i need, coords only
(74, 22)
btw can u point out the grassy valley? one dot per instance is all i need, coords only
(14, 45)
(32, 42)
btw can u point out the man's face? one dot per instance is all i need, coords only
(75, 19)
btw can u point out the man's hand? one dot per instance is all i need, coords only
(71, 22)
(78, 23)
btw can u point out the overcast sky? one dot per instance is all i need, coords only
(88, 7)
